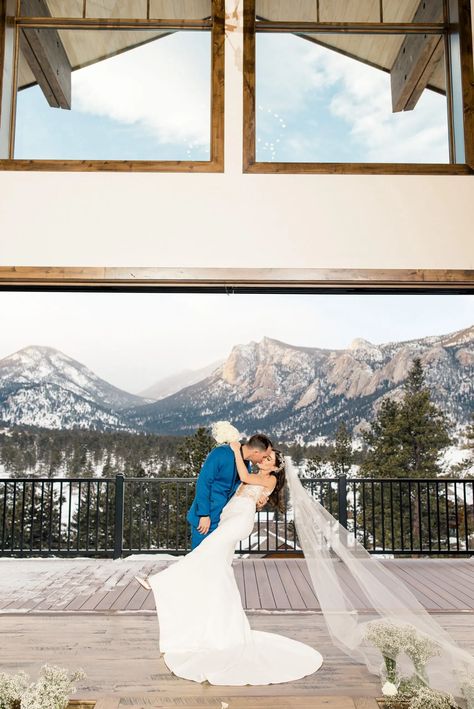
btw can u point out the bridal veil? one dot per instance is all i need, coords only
(333, 553)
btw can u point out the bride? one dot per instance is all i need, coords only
(204, 631)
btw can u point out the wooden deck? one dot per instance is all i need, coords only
(120, 655)
(93, 614)
(106, 586)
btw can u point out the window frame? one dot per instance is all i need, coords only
(460, 103)
(237, 280)
(215, 25)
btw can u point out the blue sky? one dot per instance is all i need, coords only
(135, 339)
(153, 103)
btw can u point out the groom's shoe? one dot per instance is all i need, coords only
(143, 582)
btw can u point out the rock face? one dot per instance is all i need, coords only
(287, 390)
(40, 386)
(268, 385)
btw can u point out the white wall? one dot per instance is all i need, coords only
(235, 220)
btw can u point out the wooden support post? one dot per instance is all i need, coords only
(462, 80)
(7, 63)
(417, 59)
(46, 57)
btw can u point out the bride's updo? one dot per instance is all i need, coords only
(277, 499)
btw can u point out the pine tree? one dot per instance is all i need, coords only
(405, 441)
(384, 457)
(424, 430)
(341, 456)
(193, 450)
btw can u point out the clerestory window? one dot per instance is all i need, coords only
(108, 84)
(358, 86)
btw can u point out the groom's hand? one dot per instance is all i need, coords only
(204, 524)
(261, 503)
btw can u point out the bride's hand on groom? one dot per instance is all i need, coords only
(235, 445)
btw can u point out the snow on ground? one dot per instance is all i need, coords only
(26, 575)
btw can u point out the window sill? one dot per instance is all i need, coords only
(304, 168)
(112, 165)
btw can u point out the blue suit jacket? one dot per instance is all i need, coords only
(217, 482)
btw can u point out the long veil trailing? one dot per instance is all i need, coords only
(329, 547)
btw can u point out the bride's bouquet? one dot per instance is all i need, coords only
(224, 432)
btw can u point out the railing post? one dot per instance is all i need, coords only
(119, 514)
(342, 499)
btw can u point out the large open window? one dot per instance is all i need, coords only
(99, 385)
(370, 86)
(107, 85)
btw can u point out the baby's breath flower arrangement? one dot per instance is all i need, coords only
(414, 692)
(420, 649)
(466, 680)
(224, 432)
(50, 691)
(388, 638)
(426, 697)
(11, 689)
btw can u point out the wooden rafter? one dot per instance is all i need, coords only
(47, 58)
(417, 59)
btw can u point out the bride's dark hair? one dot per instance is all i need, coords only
(277, 499)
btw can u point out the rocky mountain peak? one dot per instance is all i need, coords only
(360, 344)
(460, 337)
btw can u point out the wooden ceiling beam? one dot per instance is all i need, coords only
(417, 59)
(46, 57)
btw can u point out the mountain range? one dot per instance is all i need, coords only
(271, 386)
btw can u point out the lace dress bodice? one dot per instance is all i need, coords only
(255, 492)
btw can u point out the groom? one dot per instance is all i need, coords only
(217, 482)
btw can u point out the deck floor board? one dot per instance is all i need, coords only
(271, 584)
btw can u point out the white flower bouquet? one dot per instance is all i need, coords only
(224, 432)
(50, 691)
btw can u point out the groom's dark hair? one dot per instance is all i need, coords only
(259, 441)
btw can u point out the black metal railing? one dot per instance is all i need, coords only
(122, 516)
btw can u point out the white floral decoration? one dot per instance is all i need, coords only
(11, 689)
(224, 432)
(50, 691)
(389, 689)
(426, 697)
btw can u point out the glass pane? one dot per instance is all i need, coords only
(133, 95)
(349, 10)
(333, 103)
(137, 9)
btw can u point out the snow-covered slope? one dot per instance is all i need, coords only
(41, 386)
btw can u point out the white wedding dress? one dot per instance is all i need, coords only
(204, 632)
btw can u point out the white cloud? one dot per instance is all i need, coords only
(297, 77)
(363, 99)
(163, 86)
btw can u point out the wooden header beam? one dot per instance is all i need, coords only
(136, 278)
